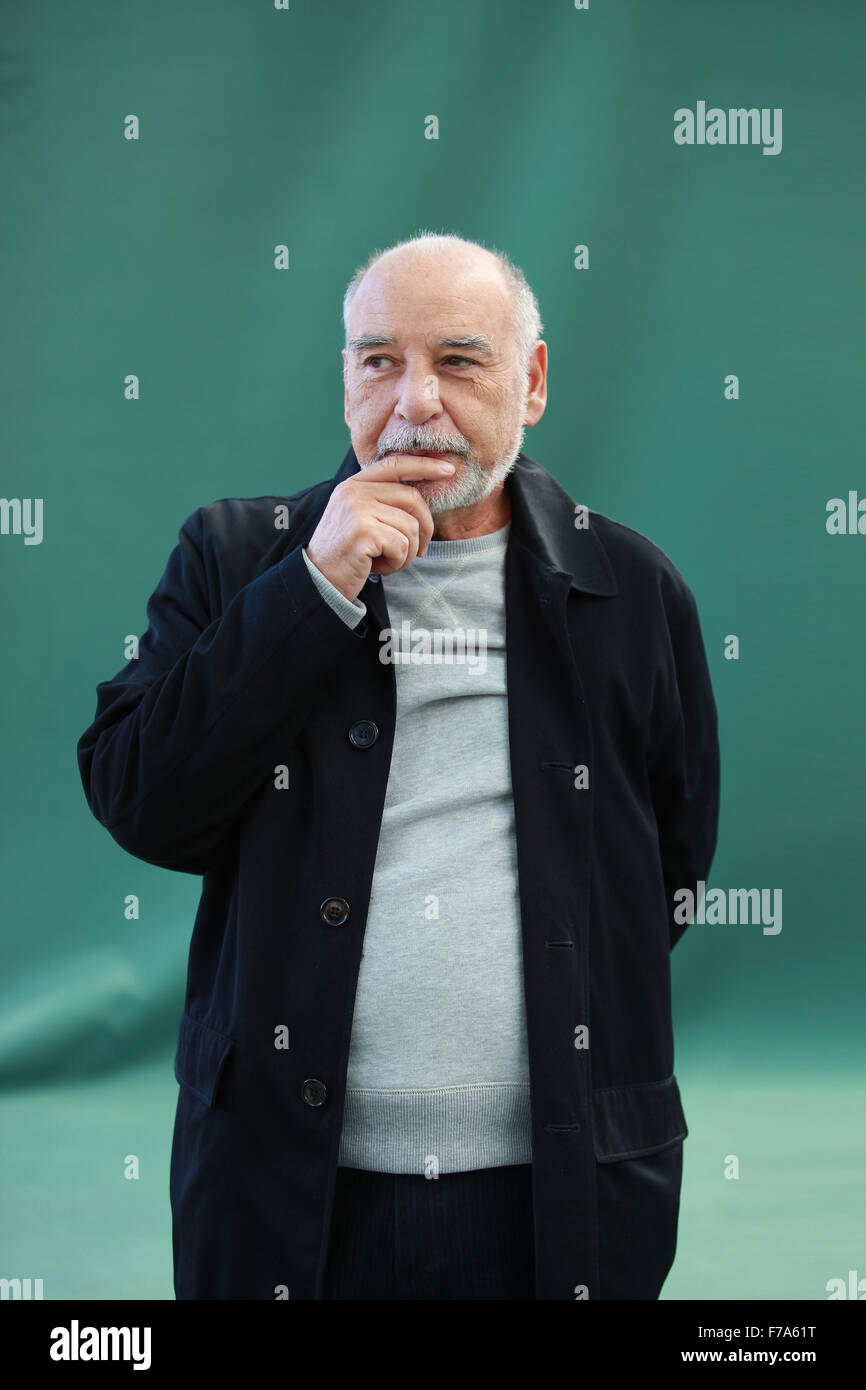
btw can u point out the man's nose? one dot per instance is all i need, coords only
(418, 396)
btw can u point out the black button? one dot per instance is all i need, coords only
(314, 1092)
(363, 734)
(334, 911)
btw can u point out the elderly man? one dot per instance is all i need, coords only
(442, 744)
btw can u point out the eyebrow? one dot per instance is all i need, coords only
(476, 342)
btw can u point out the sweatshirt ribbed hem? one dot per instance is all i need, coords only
(485, 1125)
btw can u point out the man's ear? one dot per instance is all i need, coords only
(537, 384)
(345, 386)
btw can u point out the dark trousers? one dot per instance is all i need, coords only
(404, 1236)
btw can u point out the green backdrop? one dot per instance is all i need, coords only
(154, 256)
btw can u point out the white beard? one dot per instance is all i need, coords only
(473, 486)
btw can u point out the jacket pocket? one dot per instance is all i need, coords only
(201, 1055)
(630, 1121)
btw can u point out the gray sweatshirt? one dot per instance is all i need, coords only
(438, 1077)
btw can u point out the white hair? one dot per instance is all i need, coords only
(528, 327)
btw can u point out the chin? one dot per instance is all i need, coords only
(451, 501)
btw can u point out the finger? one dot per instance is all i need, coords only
(388, 547)
(409, 467)
(407, 497)
(404, 521)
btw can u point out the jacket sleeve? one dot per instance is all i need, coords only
(684, 768)
(188, 732)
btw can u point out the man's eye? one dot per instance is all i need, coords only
(379, 357)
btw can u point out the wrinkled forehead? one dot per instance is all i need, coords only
(416, 295)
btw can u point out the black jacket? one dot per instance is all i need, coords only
(244, 669)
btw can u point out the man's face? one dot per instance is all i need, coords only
(419, 387)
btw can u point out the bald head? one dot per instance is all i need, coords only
(422, 255)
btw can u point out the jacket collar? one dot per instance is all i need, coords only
(542, 520)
